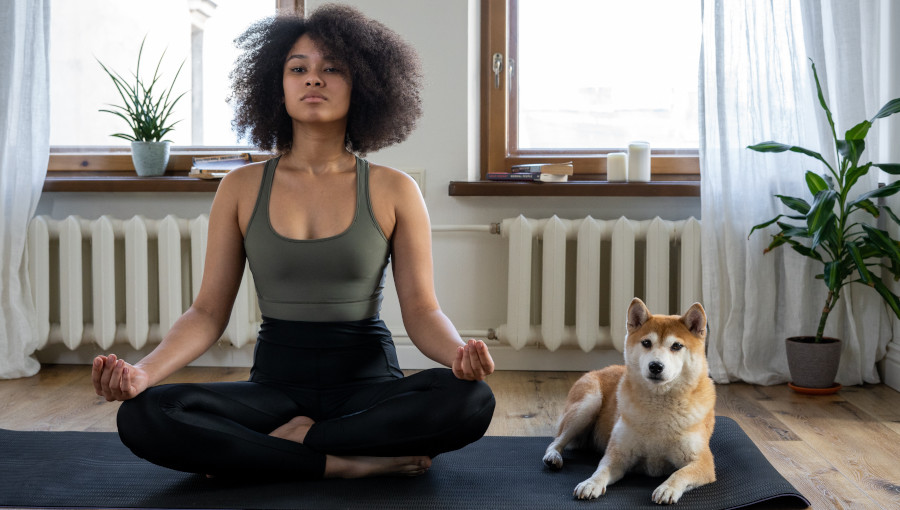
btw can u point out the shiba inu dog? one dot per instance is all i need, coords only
(654, 414)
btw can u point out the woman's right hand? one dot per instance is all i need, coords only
(115, 379)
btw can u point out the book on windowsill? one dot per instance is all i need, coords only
(526, 177)
(545, 168)
(553, 177)
(513, 176)
(216, 167)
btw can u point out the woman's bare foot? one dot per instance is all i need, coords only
(360, 467)
(294, 430)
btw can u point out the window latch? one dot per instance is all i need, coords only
(498, 67)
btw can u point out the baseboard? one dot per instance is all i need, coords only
(505, 357)
(892, 366)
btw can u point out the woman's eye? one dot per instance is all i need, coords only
(676, 346)
(646, 343)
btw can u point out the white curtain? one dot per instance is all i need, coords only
(24, 152)
(757, 85)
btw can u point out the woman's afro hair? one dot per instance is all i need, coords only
(384, 72)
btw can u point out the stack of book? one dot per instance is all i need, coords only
(215, 167)
(539, 172)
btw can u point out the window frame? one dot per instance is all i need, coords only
(498, 115)
(100, 159)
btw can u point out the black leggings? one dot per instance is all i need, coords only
(353, 390)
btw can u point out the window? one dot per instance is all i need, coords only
(576, 80)
(199, 33)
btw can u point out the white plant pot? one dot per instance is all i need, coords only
(150, 158)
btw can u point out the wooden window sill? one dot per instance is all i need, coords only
(670, 185)
(127, 181)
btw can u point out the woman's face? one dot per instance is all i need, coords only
(316, 85)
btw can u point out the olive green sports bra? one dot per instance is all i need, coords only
(338, 278)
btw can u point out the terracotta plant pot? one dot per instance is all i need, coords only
(150, 158)
(813, 365)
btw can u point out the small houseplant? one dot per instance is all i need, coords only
(827, 231)
(146, 107)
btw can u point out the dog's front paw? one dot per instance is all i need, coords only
(590, 489)
(553, 459)
(666, 494)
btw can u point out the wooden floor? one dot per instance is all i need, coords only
(840, 451)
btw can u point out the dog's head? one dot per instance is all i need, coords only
(666, 349)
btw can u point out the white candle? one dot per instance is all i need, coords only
(639, 162)
(616, 167)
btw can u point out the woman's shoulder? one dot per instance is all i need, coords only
(388, 179)
(242, 178)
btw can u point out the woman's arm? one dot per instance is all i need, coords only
(203, 323)
(428, 328)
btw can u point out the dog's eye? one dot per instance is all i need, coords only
(676, 346)
(646, 343)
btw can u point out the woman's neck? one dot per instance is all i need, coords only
(317, 150)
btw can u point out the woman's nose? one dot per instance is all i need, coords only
(313, 80)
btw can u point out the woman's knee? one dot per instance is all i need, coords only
(142, 421)
(475, 399)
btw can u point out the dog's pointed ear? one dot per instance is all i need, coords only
(637, 315)
(695, 320)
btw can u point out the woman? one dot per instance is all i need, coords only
(318, 226)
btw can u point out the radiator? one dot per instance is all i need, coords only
(109, 280)
(571, 281)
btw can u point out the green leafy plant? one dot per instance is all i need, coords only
(146, 110)
(826, 231)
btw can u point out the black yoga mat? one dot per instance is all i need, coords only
(94, 470)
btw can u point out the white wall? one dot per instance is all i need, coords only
(470, 268)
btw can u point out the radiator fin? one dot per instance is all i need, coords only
(657, 260)
(158, 287)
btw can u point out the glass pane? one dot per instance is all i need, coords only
(198, 32)
(602, 73)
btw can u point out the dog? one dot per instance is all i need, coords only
(654, 414)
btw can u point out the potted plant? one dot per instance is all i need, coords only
(146, 108)
(829, 231)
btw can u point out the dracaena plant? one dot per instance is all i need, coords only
(146, 107)
(827, 229)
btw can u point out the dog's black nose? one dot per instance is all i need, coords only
(655, 367)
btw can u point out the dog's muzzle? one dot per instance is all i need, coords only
(656, 368)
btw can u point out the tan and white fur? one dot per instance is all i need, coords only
(654, 414)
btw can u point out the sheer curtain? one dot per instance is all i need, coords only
(24, 151)
(756, 85)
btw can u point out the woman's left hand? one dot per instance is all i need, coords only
(473, 361)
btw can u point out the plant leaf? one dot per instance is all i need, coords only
(890, 108)
(859, 131)
(891, 214)
(822, 210)
(825, 232)
(854, 174)
(851, 150)
(777, 240)
(797, 204)
(816, 183)
(891, 168)
(866, 205)
(889, 297)
(803, 250)
(781, 147)
(884, 191)
(860, 263)
(789, 230)
(822, 100)
(764, 225)
(833, 277)
(883, 241)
